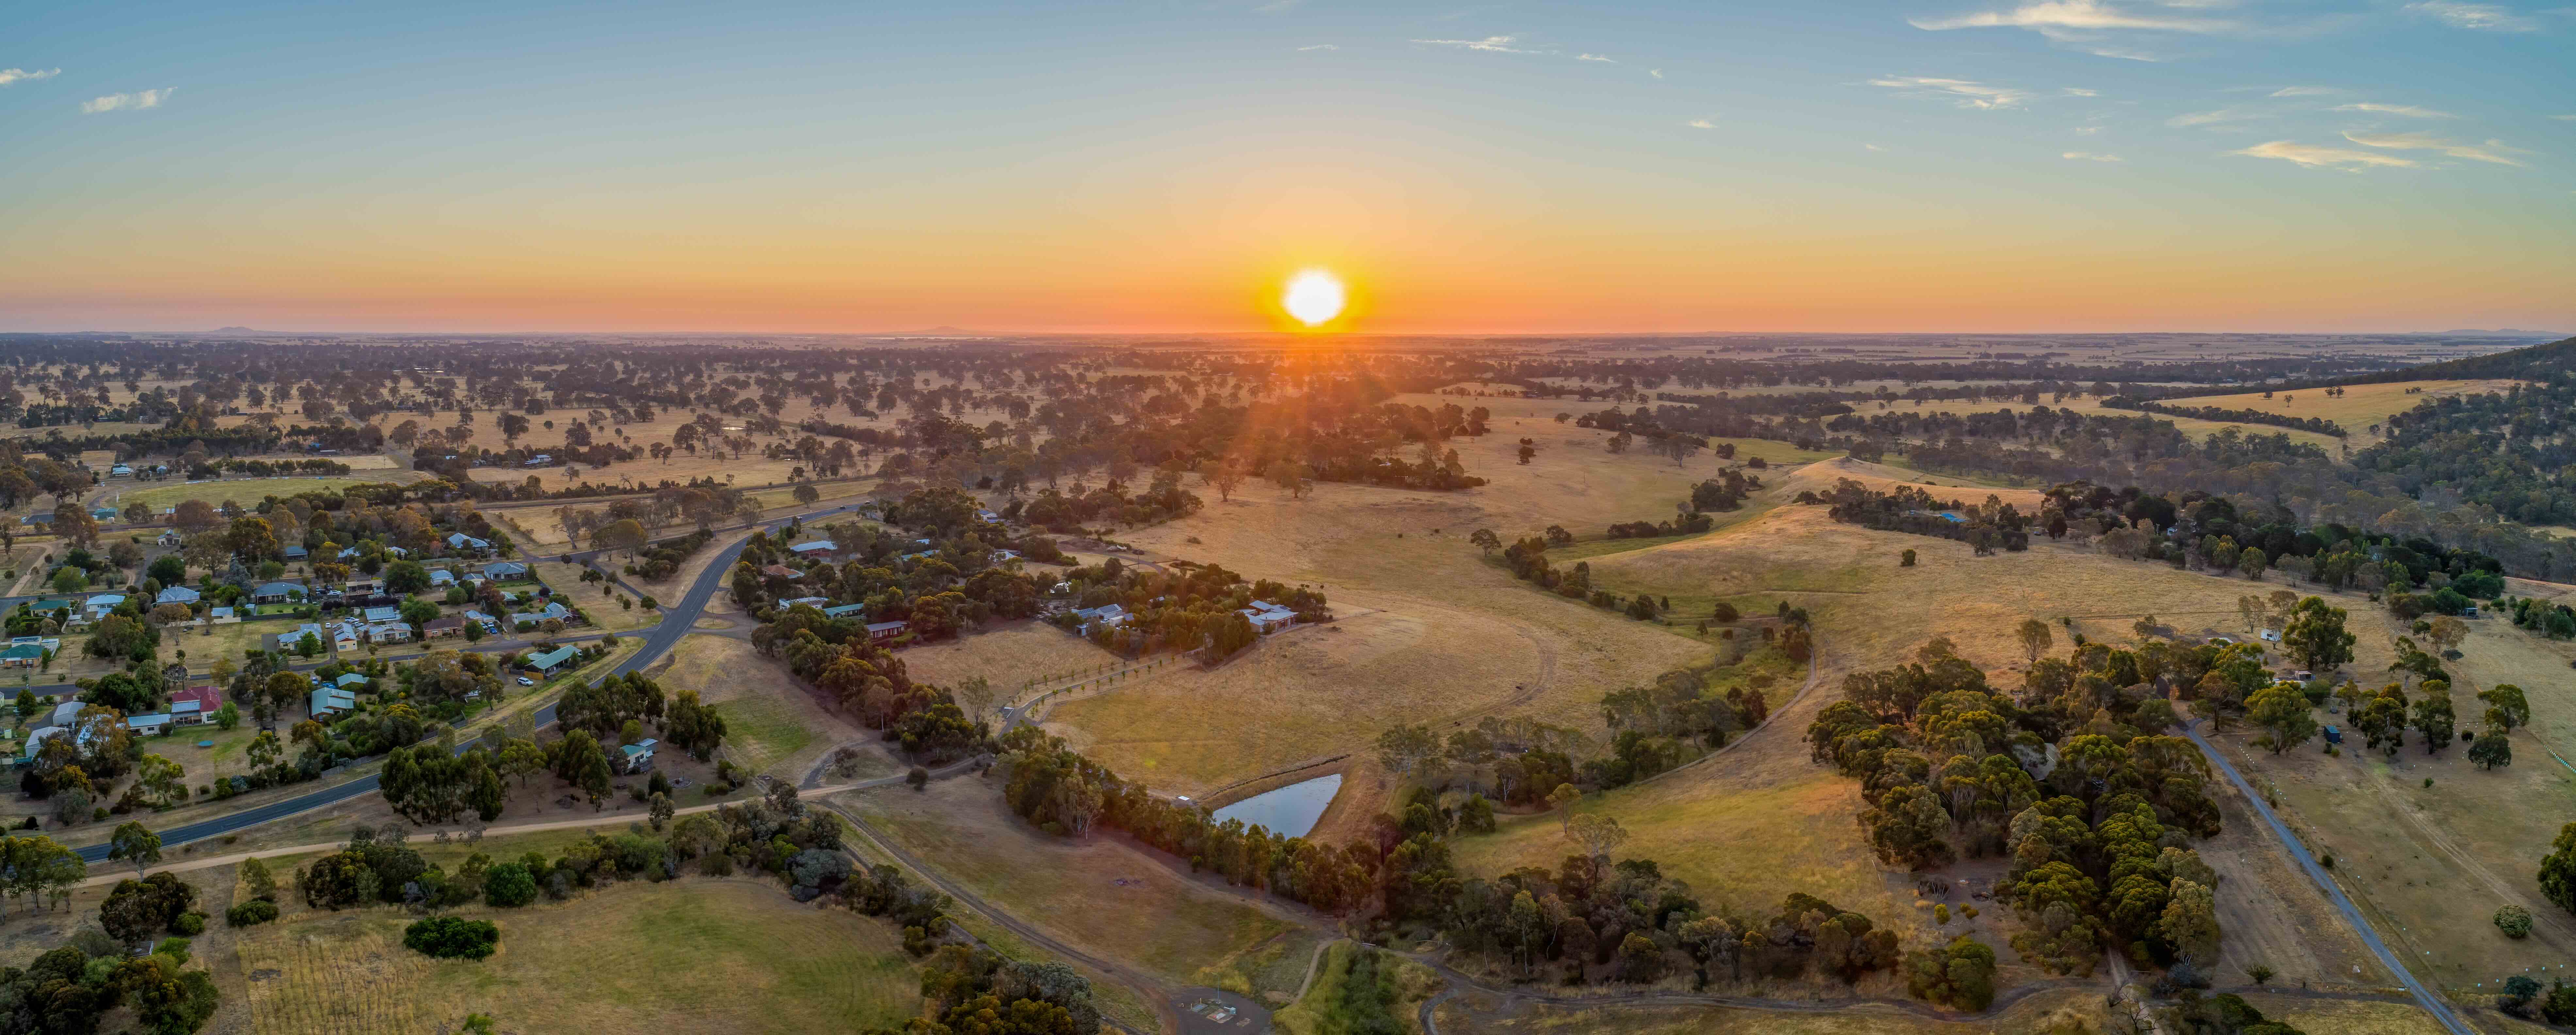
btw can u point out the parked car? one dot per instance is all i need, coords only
(525, 681)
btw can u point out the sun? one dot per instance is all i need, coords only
(1314, 297)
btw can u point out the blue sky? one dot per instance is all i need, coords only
(1948, 164)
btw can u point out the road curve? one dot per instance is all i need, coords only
(2424, 997)
(678, 618)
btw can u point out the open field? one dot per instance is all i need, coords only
(245, 491)
(1008, 655)
(1428, 631)
(691, 956)
(597, 600)
(773, 725)
(2193, 426)
(1317, 1012)
(1100, 894)
(2356, 410)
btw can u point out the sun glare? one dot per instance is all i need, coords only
(1314, 297)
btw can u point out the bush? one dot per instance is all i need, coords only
(2514, 921)
(190, 924)
(251, 912)
(451, 937)
(509, 885)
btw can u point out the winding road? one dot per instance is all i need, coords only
(678, 618)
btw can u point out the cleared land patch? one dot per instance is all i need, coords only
(245, 491)
(773, 724)
(2359, 407)
(695, 956)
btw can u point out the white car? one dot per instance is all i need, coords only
(525, 681)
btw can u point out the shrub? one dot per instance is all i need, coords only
(509, 885)
(250, 912)
(451, 937)
(2514, 921)
(190, 924)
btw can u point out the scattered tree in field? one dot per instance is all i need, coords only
(2433, 719)
(2316, 635)
(1527, 451)
(1905, 560)
(2281, 711)
(2514, 921)
(1402, 748)
(2558, 870)
(2506, 706)
(1485, 539)
(1598, 834)
(1224, 478)
(2035, 638)
(451, 937)
(1961, 975)
(2492, 751)
(1562, 800)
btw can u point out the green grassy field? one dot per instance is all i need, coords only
(245, 491)
(1334, 1005)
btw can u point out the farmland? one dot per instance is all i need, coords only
(2356, 410)
(244, 491)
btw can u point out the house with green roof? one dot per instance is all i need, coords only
(551, 660)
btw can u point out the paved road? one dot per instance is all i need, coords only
(677, 619)
(2424, 997)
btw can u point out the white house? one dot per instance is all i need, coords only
(1267, 618)
(329, 702)
(461, 541)
(639, 755)
(287, 641)
(817, 548)
(148, 725)
(175, 595)
(98, 606)
(1107, 615)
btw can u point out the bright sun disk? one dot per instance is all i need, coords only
(1313, 297)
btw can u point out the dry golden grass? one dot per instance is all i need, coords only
(729, 956)
(1430, 631)
(2350, 1016)
(773, 724)
(2192, 426)
(1101, 895)
(1009, 656)
(245, 491)
(600, 607)
(2357, 409)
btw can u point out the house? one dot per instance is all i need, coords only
(350, 681)
(121, 471)
(442, 628)
(535, 615)
(489, 623)
(845, 611)
(462, 542)
(98, 606)
(504, 571)
(988, 517)
(880, 632)
(815, 602)
(66, 712)
(362, 587)
(148, 725)
(1267, 618)
(168, 537)
(1005, 556)
(22, 655)
(175, 595)
(388, 632)
(551, 660)
(383, 614)
(222, 616)
(781, 571)
(275, 592)
(329, 702)
(441, 577)
(1109, 615)
(2270, 635)
(195, 704)
(286, 641)
(296, 552)
(46, 518)
(103, 513)
(639, 755)
(817, 548)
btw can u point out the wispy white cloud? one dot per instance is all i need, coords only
(2306, 91)
(1656, 72)
(1320, 46)
(2491, 151)
(1701, 124)
(2408, 110)
(1874, 147)
(2213, 118)
(2088, 156)
(2078, 91)
(1595, 57)
(128, 101)
(2564, 118)
(2086, 131)
(1490, 45)
(2459, 15)
(1966, 93)
(22, 75)
(1276, 6)
(2316, 157)
(2074, 14)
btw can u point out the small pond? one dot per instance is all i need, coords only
(1290, 811)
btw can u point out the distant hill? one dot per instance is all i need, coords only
(234, 330)
(2536, 362)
